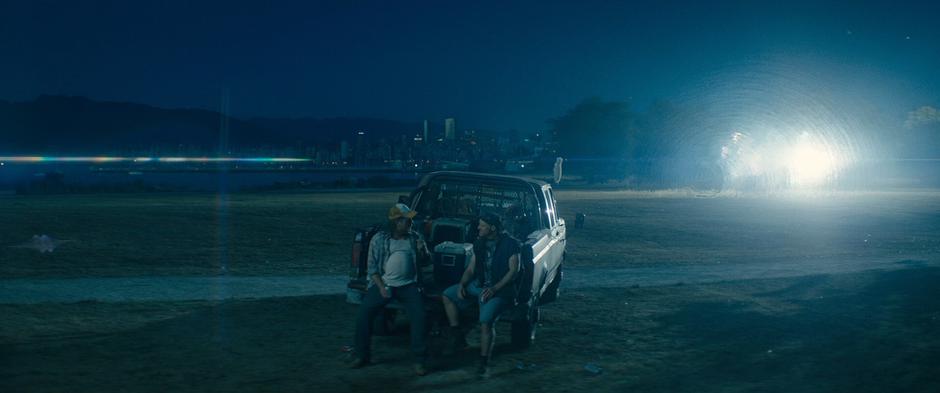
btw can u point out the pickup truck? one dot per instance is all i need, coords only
(448, 204)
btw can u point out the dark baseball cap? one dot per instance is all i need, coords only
(491, 219)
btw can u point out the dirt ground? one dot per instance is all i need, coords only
(871, 330)
(868, 332)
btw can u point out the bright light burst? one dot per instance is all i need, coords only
(805, 161)
(810, 162)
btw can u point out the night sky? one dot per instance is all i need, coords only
(492, 65)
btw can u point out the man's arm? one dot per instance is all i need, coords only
(372, 260)
(374, 266)
(466, 277)
(507, 278)
(422, 257)
(423, 251)
(377, 279)
(468, 272)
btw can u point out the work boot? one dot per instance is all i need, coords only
(458, 340)
(358, 362)
(420, 370)
(483, 372)
(458, 343)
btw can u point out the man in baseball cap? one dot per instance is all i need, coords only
(393, 275)
(489, 280)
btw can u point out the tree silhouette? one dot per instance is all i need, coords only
(597, 129)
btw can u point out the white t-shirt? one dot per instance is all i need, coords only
(400, 265)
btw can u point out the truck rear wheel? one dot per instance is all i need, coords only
(523, 328)
(553, 290)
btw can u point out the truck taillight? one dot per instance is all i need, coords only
(356, 251)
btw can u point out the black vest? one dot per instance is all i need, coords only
(506, 247)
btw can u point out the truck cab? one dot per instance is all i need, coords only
(448, 205)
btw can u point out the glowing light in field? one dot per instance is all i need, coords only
(810, 162)
(779, 123)
(773, 163)
(42, 159)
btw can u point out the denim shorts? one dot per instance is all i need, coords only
(489, 311)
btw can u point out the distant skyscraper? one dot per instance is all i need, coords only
(360, 151)
(450, 128)
(425, 132)
(343, 150)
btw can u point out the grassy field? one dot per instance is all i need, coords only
(646, 229)
(869, 331)
(198, 234)
(311, 233)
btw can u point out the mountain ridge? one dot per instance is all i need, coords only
(54, 124)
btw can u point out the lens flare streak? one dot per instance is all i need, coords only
(80, 159)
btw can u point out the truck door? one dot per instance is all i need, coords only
(557, 236)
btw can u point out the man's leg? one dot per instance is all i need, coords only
(411, 298)
(487, 336)
(450, 308)
(489, 313)
(372, 304)
(453, 313)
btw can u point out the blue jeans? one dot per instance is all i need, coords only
(373, 303)
(489, 311)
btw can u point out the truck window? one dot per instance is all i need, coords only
(467, 200)
(544, 220)
(551, 200)
(548, 210)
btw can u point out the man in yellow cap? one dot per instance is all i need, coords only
(393, 273)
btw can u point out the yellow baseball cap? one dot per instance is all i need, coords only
(400, 210)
